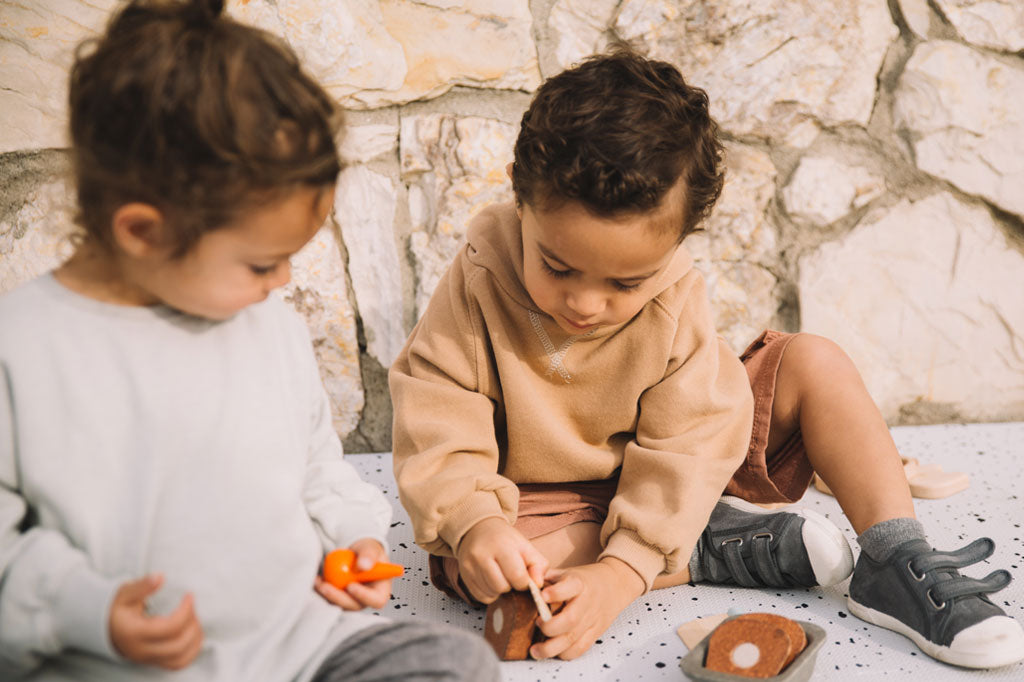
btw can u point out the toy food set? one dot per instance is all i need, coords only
(755, 646)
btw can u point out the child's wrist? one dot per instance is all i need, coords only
(626, 577)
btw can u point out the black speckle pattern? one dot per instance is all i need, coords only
(642, 643)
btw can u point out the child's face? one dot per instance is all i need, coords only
(585, 271)
(241, 263)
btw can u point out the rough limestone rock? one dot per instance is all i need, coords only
(996, 24)
(364, 207)
(962, 112)
(454, 166)
(372, 53)
(581, 26)
(768, 66)
(738, 246)
(362, 143)
(918, 16)
(824, 189)
(318, 292)
(926, 297)
(35, 238)
(37, 44)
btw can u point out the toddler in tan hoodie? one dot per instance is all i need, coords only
(565, 411)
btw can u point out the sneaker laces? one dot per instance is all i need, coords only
(950, 584)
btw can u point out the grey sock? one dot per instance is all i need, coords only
(882, 539)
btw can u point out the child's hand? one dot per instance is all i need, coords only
(358, 596)
(594, 595)
(172, 641)
(494, 557)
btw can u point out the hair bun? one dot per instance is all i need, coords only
(203, 11)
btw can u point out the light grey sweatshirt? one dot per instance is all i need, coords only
(139, 439)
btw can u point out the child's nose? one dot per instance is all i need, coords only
(585, 302)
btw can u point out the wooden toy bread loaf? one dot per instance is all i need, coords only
(510, 624)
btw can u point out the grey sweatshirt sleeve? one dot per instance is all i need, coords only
(344, 507)
(50, 598)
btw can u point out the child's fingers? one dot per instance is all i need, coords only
(159, 629)
(187, 654)
(536, 564)
(480, 590)
(335, 596)
(373, 595)
(563, 587)
(493, 578)
(135, 592)
(550, 647)
(368, 552)
(561, 623)
(175, 649)
(513, 570)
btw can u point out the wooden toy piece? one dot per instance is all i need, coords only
(931, 482)
(796, 633)
(337, 569)
(926, 481)
(748, 647)
(542, 606)
(510, 624)
(697, 629)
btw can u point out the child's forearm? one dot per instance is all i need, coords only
(47, 581)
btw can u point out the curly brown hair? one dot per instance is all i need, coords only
(196, 114)
(616, 133)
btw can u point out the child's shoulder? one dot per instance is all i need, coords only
(26, 304)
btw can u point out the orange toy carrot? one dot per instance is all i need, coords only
(338, 571)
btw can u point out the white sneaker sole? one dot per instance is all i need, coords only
(994, 642)
(827, 548)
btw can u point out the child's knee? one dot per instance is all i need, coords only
(810, 359)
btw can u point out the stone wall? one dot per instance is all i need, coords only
(875, 157)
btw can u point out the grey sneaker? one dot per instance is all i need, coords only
(918, 592)
(747, 545)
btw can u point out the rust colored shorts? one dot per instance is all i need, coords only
(782, 476)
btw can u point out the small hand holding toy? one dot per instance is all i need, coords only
(338, 570)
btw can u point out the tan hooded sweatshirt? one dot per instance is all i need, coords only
(489, 392)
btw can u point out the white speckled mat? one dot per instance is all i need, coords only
(642, 644)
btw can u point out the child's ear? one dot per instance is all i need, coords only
(138, 229)
(508, 169)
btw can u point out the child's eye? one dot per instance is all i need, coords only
(557, 274)
(626, 287)
(262, 270)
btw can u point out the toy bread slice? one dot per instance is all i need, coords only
(792, 629)
(931, 482)
(748, 648)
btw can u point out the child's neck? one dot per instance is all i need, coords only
(95, 273)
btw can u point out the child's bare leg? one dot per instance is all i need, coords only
(819, 391)
(580, 543)
(899, 582)
(574, 545)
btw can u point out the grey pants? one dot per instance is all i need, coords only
(410, 651)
